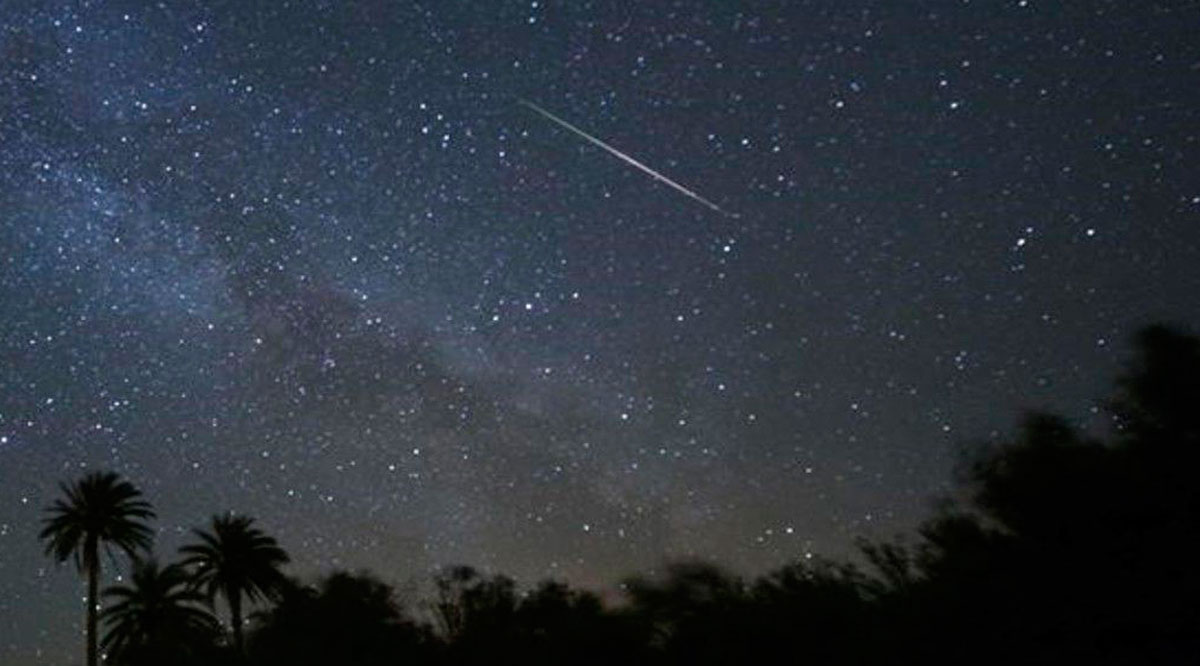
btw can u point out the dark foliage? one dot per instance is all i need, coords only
(158, 618)
(557, 625)
(471, 608)
(346, 619)
(235, 560)
(1067, 549)
(101, 509)
(1075, 550)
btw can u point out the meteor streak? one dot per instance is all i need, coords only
(626, 158)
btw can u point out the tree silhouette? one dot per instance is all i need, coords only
(693, 612)
(234, 559)
(157, 618)
(484, 620)
(1063, 546)
(820, 604)
(1157, 394)
(470, 605)
(555, 624)
(475, 613)
(697, 613)
(347, 618)
(1069, 548)
(100, 508)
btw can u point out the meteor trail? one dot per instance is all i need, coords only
(626, 158)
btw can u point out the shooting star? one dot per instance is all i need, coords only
(627, 159)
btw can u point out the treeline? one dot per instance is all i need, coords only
(1065, 550)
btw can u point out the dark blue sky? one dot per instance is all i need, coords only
(317, 264)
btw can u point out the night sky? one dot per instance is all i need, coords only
(318, 264)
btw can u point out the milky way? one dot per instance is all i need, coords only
(316, 264)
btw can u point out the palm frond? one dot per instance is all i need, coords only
(233, 557)
(101, 507)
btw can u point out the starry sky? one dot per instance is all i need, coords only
(315, 262)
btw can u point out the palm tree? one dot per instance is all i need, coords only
(157, 617)
(234, 559)
(99, 508)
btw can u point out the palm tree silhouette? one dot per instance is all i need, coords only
(157, 617)
(234, 559)
(99, 508)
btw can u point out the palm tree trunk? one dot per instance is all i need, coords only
(235, 616)
(91, 562)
